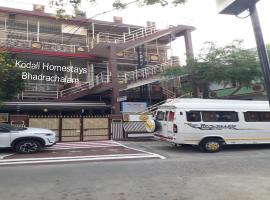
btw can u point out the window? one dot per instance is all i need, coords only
(193, 116)
(171, 116)
(166, 116)
(257, 116)
(220, 116)
(160, 116)
(8, 127)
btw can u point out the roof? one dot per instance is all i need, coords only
(76, 20)
(218, 104)
(52, 16)
(52, 105)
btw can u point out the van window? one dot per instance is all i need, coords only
(193, 116)
(220, 116)
(171, 116)
(160, 116)
(166, 115)
(257, 116)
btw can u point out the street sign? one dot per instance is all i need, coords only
(122, 98)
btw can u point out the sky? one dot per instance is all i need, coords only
(202, 14)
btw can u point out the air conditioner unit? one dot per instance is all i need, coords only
(234, 7)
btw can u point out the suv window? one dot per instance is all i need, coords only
(8, 127)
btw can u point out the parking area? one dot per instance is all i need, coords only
(77, 152)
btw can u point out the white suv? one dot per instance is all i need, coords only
(25, 140)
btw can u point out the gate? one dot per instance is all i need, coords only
(70, 129)
(95, 128)
(48, 122)
(74, 128)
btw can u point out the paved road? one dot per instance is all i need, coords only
(234, 174)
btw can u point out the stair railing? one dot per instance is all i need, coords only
(144, 72)
(123, 77)
(99, 79)
(169, 94)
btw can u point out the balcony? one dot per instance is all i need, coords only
(16, 34)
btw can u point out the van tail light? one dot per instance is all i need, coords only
(174, 128)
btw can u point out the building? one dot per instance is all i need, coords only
(82, 65)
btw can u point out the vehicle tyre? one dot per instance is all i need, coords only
(211, 145)
(28, 146)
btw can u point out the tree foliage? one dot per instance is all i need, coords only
(76, 5)
(231, 64)
(10, 78)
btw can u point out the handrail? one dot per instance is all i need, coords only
(144, 72)
(99, 79)
(155, 106)
(28, 42)
(168, 93)
(152, 26)
(150, 108)
(125, 37)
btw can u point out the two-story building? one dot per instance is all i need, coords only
(85, 65)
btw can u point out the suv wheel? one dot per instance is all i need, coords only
(28, 146)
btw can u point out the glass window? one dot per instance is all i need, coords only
(193, 116)
(166, 115)
(8, 127)
(171, 116)
(160, 116)
(220, 116)
(257, 116)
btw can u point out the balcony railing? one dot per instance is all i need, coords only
(125, 37)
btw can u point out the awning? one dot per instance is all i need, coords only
(52, 105)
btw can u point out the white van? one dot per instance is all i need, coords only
(212, 123)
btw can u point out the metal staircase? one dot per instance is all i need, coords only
(100, 44)
(127, 80)
(103, 82)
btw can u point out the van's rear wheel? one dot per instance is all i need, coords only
(211, 145)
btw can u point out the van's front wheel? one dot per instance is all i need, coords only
(211, 145)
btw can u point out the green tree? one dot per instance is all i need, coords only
(231, 64)
(268, 50)
(62, 6)
(10, 78)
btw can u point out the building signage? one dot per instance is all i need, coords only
(133, 106)
(34, 71)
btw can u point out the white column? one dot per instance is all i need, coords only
(90, 72)
(38, 24)
(93, 30)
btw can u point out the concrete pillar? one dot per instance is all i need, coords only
(90, 72)
(114, 72)
(188, 43)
